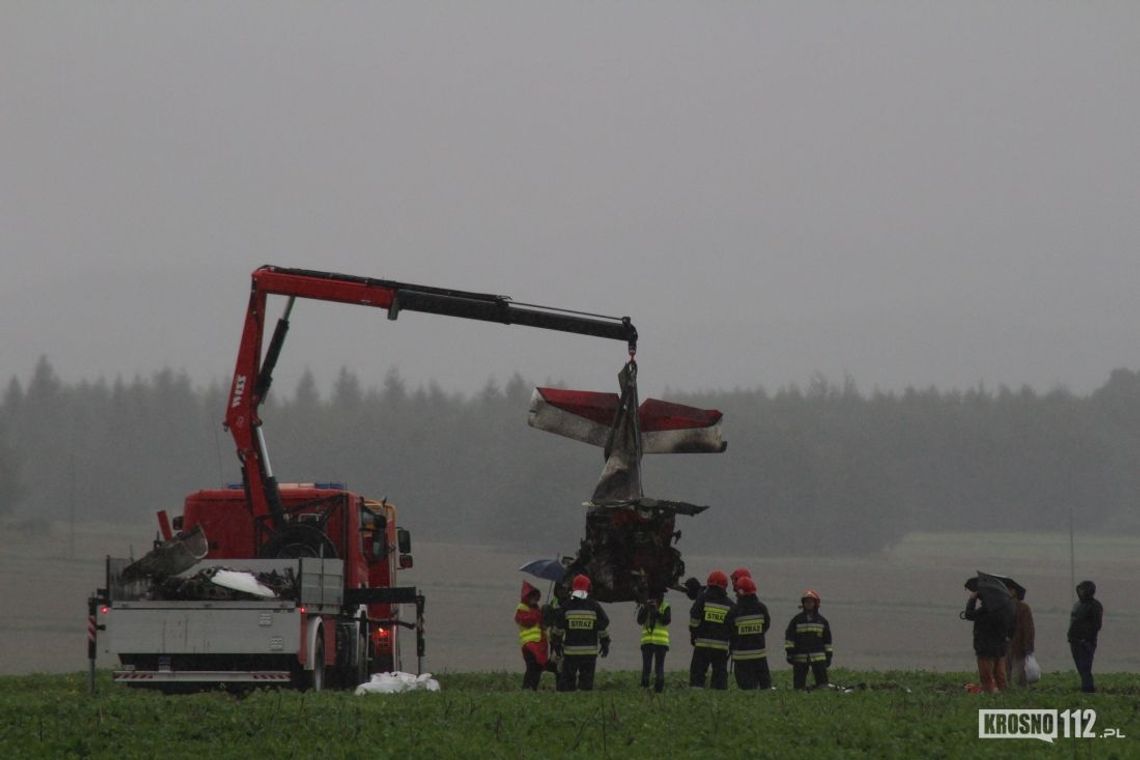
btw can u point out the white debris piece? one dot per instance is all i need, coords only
(394, 683)
(240, 581)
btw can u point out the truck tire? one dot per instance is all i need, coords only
(362, 650)
(317, 674)
(313, 680)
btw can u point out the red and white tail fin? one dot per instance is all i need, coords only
(588, 416)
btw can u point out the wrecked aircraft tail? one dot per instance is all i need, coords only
(628, 548)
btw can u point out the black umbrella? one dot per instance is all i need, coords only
(1012, 585)
(547, 569)
(993, 591)
(972, 584)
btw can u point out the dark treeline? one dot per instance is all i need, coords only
(822, 468)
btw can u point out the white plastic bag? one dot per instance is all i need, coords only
(397, 682)
(1032, 669)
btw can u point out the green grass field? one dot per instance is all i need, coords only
(889, 714)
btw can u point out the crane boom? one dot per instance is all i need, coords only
(253, 374)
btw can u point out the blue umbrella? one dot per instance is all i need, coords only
(547, 569)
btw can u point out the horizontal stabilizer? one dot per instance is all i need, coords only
(587, 416)
(647, 504)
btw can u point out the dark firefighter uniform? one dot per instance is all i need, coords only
(579, 634)
(710, 634)
(749, 622)
(807, 644)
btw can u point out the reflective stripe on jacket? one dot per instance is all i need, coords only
(808, 639)
(709, 620)
(581, 623)
(749, 623)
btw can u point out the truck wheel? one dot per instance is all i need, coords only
(317, 674)
(362, 674)
(312, 680)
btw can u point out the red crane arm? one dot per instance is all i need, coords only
(253, 374)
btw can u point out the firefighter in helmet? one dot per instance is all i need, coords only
(736, 575)
(532, 635)
(580, 633)
(710, 634)
(748, 623)
(807, 642)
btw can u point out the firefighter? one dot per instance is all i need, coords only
(748, 623)
(654, 617)
(532, 635)
(736, 575)
(710, 634)
(579, 634)
(807, 642)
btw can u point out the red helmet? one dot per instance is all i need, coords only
(581, 583)
(811, 593)
(746, 586)
(737, 574)
(717, 578)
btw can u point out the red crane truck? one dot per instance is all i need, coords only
(284, 583)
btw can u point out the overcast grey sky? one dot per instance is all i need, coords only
(912, 193)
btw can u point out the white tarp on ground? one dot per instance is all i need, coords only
(395, 683)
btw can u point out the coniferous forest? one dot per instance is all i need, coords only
(823, 467)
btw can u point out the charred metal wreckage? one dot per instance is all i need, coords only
(629, 548)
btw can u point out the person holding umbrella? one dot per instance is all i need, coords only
(990, 608)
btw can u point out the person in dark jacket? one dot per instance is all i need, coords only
(654, 617)
(807, 642)
(710, 634)
(532, 635)
(579, 634)
(992, 629)
(748, 623)
(1084, 625)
